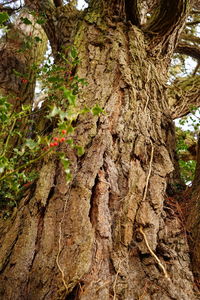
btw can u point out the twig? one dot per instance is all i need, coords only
(140, 229)
(150, 169)
(153, 254)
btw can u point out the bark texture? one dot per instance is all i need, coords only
(110, 233)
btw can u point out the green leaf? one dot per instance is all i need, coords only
(70, 142)
(73, 53)
(187, 169)
(82, 81)
(3, 17)
(70, 129)
(41, 21)
(20, 153)
(96, 110)
(66, 165)
(63, 115)
(68, 177)
(69, 96)
(80, 150)
(18, 74)
(84, 110)
(25, 108)
(26, 21)
(54, 79)
(37, 39)
(55, 111)
(31, 144)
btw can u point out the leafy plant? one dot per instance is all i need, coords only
(185, 147)
(187, 169)
(22, 146)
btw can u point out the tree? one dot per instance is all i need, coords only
(112, 231)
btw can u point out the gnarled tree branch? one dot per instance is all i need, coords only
(166, 24)
(168, 15)
(183, 96)
(187, 49)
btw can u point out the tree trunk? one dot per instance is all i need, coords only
(110, 233)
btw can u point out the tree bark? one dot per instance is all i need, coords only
(110, 233)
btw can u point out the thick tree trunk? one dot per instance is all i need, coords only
(109, 234)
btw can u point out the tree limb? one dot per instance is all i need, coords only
(190, 37)
(168, 15)
(184, 95)
(185, 46)
(193, 23)
(187, 49)
(165, 26)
